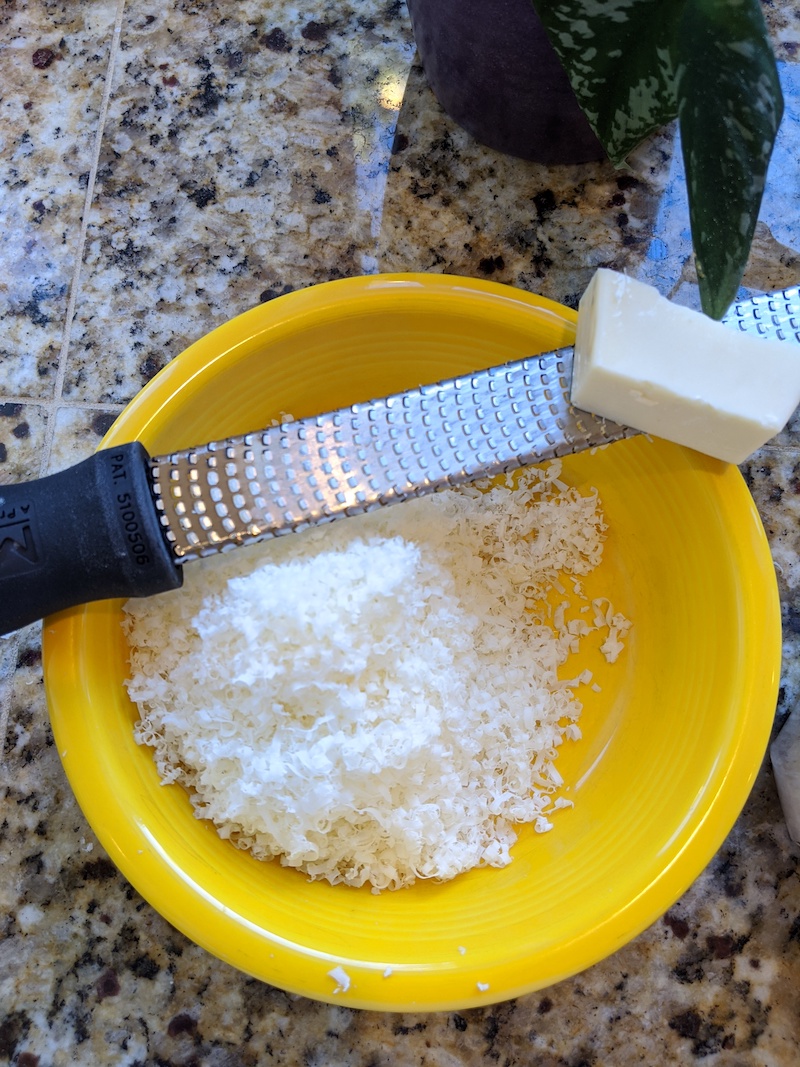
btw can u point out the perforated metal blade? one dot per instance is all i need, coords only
(304, 473)
(299, 474)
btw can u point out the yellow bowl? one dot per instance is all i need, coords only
(671, 744)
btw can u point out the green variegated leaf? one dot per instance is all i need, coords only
(618, 55)
(636, 64)
(729, 107)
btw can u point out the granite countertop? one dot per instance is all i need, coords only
(164, 167)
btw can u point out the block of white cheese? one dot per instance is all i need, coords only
(675, 373)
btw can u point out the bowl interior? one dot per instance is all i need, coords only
(672, 741)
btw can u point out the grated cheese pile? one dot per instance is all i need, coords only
(378, 700)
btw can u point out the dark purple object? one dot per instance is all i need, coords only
(493, 70)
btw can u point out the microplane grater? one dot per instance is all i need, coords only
(304, 473)
(121, 523)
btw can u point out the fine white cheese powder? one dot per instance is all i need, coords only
(378, 700)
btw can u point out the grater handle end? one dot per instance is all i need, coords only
(90, 532)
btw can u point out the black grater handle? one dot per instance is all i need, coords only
(90, 532)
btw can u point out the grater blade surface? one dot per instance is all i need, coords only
(299, 474)
(774, 316)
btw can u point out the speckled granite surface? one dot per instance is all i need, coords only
(165, 166)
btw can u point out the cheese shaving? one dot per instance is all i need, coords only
(341, 977)
(377, 700)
